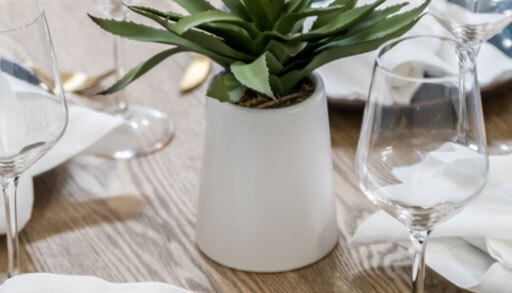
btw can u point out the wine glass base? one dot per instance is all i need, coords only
(499, 148)
(145, 131)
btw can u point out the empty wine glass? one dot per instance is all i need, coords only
(33, 112)
(146, 130)
(422, 153)
(472, 21)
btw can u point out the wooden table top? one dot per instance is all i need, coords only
(128, 221)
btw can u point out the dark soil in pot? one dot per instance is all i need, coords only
(298, 94)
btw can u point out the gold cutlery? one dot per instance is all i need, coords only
(73, 82)
(196, 73)
(79, 81)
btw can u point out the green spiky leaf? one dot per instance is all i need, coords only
(148, 11)
(347, 48)
(287, 23)
(324, 19)
(237, 7)
(194, 41)
(211, 16)
(262, 44)
(339, 22)
(141, 69)
(226, 88)
(195, 6)
(284, 51)
(254, 75)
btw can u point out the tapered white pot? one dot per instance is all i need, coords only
(266, 197)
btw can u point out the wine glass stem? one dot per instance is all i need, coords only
(120, 104)
(461, 126)
(11, 220)
(476, 48)
(419, 243)
(461, 109)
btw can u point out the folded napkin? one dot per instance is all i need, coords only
(474, 248)
(85, 128)
(349, 78)
(50, 283)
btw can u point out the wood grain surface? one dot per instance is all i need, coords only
(128, 221)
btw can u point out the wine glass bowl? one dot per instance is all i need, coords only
(472, 21)
(33, 112)
(423, 183)
(422, 153)
(30, 124)
(33, 115)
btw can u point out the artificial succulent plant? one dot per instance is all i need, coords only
(263, 45)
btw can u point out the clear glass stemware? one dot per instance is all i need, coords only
(422, 153)
(147, 130)
(33, 112)
(473, 21)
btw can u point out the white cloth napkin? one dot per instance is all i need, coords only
(474, 248)
(349, 78)
(50, 283)
(85, 128)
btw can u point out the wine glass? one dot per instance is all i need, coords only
(33, 112)
(146, 130)
(422, 153)
(472, 21)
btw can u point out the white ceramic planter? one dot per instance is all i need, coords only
(266, 197)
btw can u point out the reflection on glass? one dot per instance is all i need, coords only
(422, 154)
(33, 112)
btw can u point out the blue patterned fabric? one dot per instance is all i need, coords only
(503, 41)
